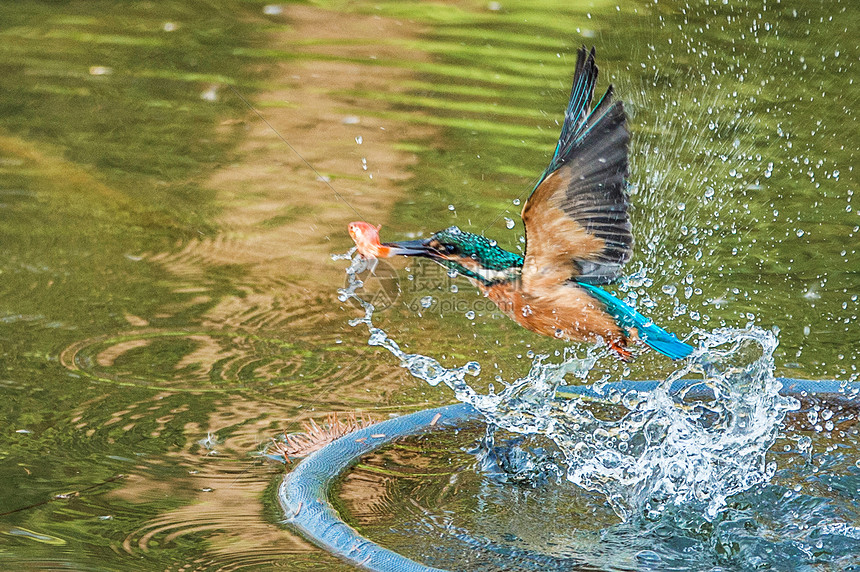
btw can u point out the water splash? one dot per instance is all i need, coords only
(698, 438)
(696, 445)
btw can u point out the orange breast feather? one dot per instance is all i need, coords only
(561, 311)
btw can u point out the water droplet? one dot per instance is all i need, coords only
(450, 207)
(709, 192)
(210, 94)
(800, 233)
(669, 289)
(359, 140)
(635, 280)
(470, 315)
(509, 222)
(454, 288)
(426, 301)
(649, 558)
(526, 311)
(517, 201)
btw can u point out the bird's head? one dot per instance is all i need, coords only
(472, 255)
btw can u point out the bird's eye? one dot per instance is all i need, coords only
(450, 248)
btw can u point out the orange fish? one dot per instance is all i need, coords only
(366, 238)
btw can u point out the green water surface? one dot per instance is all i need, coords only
(149, 348)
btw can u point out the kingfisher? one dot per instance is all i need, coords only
(578, 236)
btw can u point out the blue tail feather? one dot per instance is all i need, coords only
(650, 333)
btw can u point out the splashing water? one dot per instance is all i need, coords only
(696, 439)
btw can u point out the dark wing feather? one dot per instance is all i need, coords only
(576, 114)
(576, 219)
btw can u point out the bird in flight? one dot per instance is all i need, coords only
(578, 236)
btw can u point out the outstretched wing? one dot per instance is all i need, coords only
(576, 218)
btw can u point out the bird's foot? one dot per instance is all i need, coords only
(619, 347)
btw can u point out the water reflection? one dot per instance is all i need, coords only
(142, 325)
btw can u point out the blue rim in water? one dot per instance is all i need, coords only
(304, 493)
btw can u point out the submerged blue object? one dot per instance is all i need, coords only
(650, 333)
(697, 389)
(305, 492)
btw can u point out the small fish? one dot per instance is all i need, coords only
(366, 238)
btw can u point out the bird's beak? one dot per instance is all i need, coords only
(410, 248)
